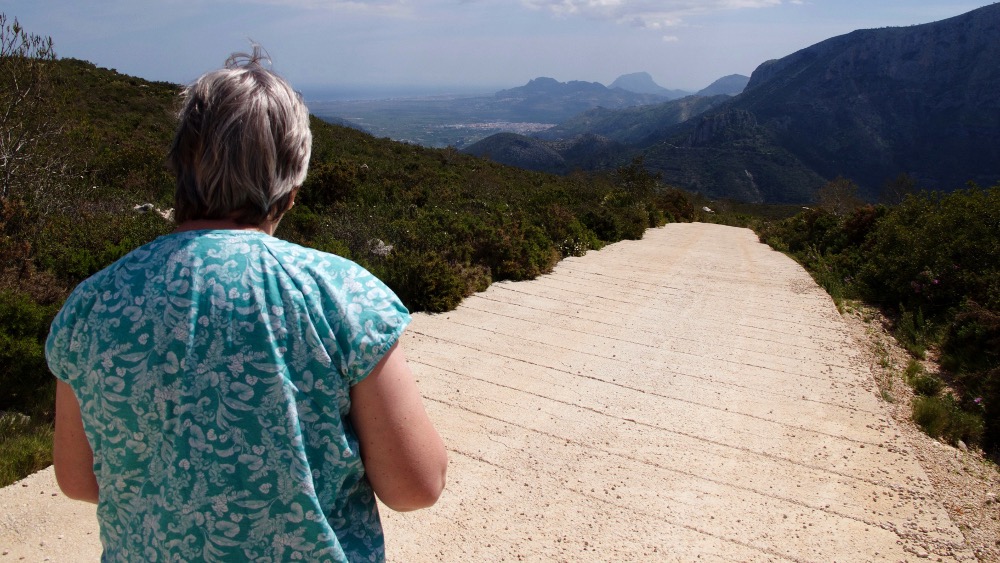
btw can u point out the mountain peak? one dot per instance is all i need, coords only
(643, 83)
(729, 85)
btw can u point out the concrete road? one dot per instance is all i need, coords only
(693, 395)
(690, 396)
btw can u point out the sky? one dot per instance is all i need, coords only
(439, 46)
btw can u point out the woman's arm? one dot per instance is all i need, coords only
(71, 454)
(403, 455)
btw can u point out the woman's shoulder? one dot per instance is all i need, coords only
(314, 261)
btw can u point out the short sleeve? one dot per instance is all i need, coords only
(62, 344)
(382, 324)
(56, 348)
(374, 319)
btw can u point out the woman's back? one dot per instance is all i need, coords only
(213, 371)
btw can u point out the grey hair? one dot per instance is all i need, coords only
(242, 145)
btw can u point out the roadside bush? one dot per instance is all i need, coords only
(425, 281)
(75, 247)
(933, 263)
(25, 446)
(675, 204)
(943, 417)
(912, 331)
(934, 251)
(913, 369)
(27, 385)
(971, 350)
(604, 224)
(926, 385)
(565, 230)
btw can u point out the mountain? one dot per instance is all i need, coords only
(458, 121)
(731, 85)
(867, 105)
(632, 125)
(548, 100)
(594, 140)
(518, 150)
(642, 83)
(582, 152)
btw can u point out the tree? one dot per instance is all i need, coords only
(839, 196)
(637, 182)
(894, 191)
(26, 123)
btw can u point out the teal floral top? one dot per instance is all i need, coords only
(213, 370)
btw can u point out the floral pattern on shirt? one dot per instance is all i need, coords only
(213, 370)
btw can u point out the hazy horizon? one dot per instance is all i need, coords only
(348, 92)
(406, 48)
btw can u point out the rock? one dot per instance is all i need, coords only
(379, 247)
(961, 445)
(143, 208)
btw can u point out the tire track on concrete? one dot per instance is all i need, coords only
(641, 391)
(641, 330)
(741, 449)
(562, 292)
(748, 388)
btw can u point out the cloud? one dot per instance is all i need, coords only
(671, 39)
(649, 14)
(384, 7)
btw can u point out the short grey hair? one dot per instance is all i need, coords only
(242, 145)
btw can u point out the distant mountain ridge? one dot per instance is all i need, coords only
(731, 85)
(867, 105)
(546, 99)
(632, 125)
(643, 83)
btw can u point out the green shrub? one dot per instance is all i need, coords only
(25, 446)
(926, 384)
(972, 341)
(570, 236)
(934, 251)
(912, 331)
(604, 224)
(27, 385)
(424, 281)
(78, 246)
(675, 204)
(931, 414)
(942, 417)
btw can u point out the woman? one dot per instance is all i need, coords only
(226, 395)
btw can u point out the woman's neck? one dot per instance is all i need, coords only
(224, 224)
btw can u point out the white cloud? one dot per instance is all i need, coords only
(650, 14)
(671, 39)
